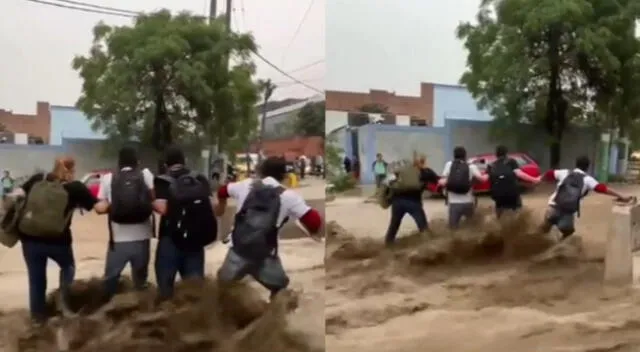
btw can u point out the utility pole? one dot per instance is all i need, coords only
(268, 87)
(213, 9)
(209, 154)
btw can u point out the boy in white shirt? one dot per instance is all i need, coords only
(127, 196)
(572, 186)
(457, 178)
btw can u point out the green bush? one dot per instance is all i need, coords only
(342, 182)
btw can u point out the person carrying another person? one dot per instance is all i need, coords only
(572, 186)
(45, 229)
(457, 178)
(405, 196)
(187, 222)
(504, 174)
(263, 207)
(379, 168)
(126, 195)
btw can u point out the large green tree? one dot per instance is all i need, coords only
(310, 119)
(166, 79)
(546, 62)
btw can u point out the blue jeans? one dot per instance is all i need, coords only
(400, 207)
(118, 256)
(171, 260)
(35, 256)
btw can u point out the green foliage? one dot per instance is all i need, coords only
(550, 63)
(310, 120)
(342, 183)
(166, 79)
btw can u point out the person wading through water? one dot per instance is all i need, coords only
(45, 229)
(128, 195)
(571, 187)
(457, 178)
(187, 224)
(263, 206)
(504, 174)
(406, 187)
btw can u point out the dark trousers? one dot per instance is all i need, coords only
(119, 255)
(171, 260)
(379, 180)
(400, 207)
(36, 256)
(512, 204)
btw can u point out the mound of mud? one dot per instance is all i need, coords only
(514, 235)
(202, 317)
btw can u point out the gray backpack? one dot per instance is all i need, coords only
(255, 232)
(569, 193)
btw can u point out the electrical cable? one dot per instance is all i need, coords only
(112, 11)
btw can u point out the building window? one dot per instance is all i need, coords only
(416, 121)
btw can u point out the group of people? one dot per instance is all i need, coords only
(402, 190)
(43, 213)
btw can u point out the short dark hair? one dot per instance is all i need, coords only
(127, 157)
(174, 156)
(459, 153)
(501, 151)
(275, 167)
(583, 163)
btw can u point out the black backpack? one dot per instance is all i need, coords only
(190, 220)
(131, 201)
(569, 193)
(459, 178)
(255, 231)
(503, 180)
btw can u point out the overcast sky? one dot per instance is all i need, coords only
(38, 42)
(394, 44)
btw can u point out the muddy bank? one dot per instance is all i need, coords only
(288, 231)
(202, 317)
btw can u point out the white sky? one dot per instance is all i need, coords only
(394, 44)
(38, 42)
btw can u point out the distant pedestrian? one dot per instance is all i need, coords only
(379, 168)
(346, 162)
(7, 184)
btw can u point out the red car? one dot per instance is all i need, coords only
(92, 180)
(526, 163)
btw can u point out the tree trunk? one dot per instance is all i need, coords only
(556, 109)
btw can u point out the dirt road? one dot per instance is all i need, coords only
(381, 304)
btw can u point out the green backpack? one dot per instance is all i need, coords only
(43, 214)
(407, 179)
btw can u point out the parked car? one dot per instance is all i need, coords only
(527, 164)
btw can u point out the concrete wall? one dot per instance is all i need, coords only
(22, 160)
(334, 120)
(398, 143)
(69, 122)
(475, 137)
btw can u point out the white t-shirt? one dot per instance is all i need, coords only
(590, 183)
(127, 232)
(455, 198)
(292, 205)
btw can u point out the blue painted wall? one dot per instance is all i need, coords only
(69, 122)
(455, 102)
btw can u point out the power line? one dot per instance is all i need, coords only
(297, 31)
(99, 7)
(83, 9)
(301, 68)
(112, 11)
(286, 74)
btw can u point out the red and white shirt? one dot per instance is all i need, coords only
(292, 205)
(590, 183)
